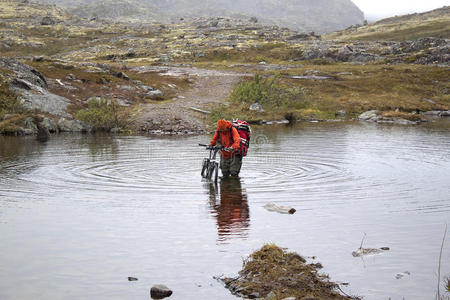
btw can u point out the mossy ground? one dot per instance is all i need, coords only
(355, 89)
(284, 274)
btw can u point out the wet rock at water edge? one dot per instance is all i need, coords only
(66, 125)
(369, 116)
(160, 291)
(49, 124)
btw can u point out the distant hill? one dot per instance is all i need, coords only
(435, 23)
(302, 15)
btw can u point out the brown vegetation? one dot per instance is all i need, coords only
(271, 270)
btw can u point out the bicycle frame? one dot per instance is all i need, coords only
(210, 166)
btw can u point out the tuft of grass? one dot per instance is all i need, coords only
(285, 274)
(104, 115)
(9, 102)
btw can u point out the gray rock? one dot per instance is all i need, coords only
(396, 121)
(66, 125)
(122, 75)
(256, 107)
(432, 113)
(289, 298)
(49, 124)
(23, 71)
(146, 88)
(127, 88)
(44, 101)
(369, 116)
(155, 95)
(30, 125)
(254, 295)
(341, 113)
(47, 21)
(160, 291)
(270, 296)
(445, 113)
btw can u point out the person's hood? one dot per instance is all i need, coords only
(223, 124)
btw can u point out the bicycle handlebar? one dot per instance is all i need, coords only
(209, 147)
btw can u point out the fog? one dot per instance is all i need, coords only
(374, 10)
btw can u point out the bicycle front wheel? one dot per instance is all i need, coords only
(204, 167)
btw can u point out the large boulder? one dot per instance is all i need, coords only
(369, 116)
(49, 124)
(31, 87)
(66, 125)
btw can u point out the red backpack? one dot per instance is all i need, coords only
(243, 129)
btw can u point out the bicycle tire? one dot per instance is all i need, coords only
(210, 170)
(216, 170)
(204, 167)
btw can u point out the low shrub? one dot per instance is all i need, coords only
(269, 92)
(104, 114)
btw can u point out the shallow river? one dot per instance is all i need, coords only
(81, 213)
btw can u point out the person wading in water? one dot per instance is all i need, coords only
(230, 159)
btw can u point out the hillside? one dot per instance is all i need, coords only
(302, 15)
(435, 23)
(153, 74)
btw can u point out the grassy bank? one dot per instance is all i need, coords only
(405, 89)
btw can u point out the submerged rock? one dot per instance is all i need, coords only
(160, 291)
(368, 251)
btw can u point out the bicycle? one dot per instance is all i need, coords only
(210, 166)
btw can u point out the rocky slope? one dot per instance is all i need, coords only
(435, 23)
(301, 15)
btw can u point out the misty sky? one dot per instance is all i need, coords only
(386, 8)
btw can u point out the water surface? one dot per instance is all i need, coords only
(81, 213)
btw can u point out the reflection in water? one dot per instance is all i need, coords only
(232, 211)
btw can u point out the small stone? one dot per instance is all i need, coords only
(290, 298)
(160, 291)
(254, 295)
(256, 107)
(341, 113)
(47, 21)
(270, 296)
(385, 248)
(132, 279)
(155, 95)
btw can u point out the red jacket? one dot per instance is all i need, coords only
(227, 140)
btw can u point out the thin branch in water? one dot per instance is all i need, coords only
(440, 261)
(362, 241)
